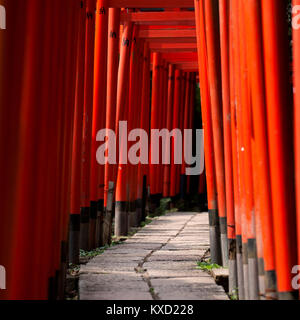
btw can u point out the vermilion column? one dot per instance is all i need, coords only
(279, 95)
(234, 99)
(77, 145)
(241, 225)
(170, 103)
(214, 75)
(155, 114)
(10, 99)
(112, 82)
(163, 121)
(27, 178)
(87, 124)
(39, 279)
(179, 178)
(185, 121)
(138, 167)
(132, 116)
(99, 114)
(52, 234)
(160, 109)
(238, 155)
(138, 179)
(208, 135)
(245, 127)
(57, 149)
(145, 123)
(121, 219)
(255, 64)
(68, 102)
(296, 51)
(175, 125)
(191, 126)
(224, 41)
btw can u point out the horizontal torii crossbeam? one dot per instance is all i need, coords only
(186, 18)
(173, 47)
(164, 33)
(180, 57)
(151, 4)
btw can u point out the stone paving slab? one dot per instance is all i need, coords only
(157, 263)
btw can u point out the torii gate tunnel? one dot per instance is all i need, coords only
(72, 68)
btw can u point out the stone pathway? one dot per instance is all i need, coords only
(157, 263)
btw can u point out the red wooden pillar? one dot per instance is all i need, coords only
(105, 222)
(99, 116)
(280, 136)
(25, 201)
(138, 180)
(245, 127)
(163, 122)
(234, 98)
(296, 67)
(208, 135)
(214, 75)
(10, 97)
(58, 168)
(40, 277)
(155, 114)
(77, 144)
(87, 124)
(180, 127)
(133, 115)
(242, 239)
(191, 126)
(167, 167)
(225, 45)
(160, 109)
(51, 249)
(121, 220)
(175, 125)
(145, 123)
(255, 62)
(185, 115)
(67, 103)
(62, 146)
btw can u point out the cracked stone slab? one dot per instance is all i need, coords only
(175, 273)
(177, 246)
(158, 262)
(200, 288)
(172, 257)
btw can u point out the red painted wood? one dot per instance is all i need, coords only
(173, 47)
(155, 114)
(99, 98)
(172, 40)
(175, 124)
(122, 104)
(296, 50)
(88, 104)
(179, 33)
(163, 18)
(151, 3)
(181, 57)
(112, 80)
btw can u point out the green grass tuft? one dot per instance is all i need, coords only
(96, 252)
(207, 266)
